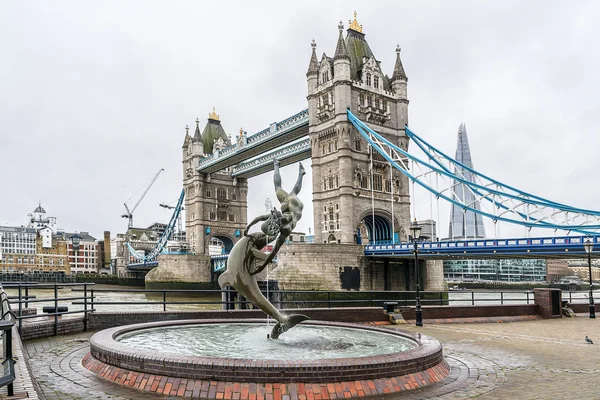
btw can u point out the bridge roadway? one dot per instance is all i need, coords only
(545, 247)
(276, 135)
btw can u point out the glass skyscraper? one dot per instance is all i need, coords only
(464, 224)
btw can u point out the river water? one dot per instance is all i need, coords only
(140, 301)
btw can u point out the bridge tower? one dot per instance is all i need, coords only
(215, 204)
(352, 200)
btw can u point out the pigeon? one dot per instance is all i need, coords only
(587, 339)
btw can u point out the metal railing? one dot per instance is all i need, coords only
(23, 298)
(6, 324)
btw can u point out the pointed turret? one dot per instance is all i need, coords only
(213, 131)
(197, 134)
(313, 66)
(340, 49)
(186, 140)
(398, 68)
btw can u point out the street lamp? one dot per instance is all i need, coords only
(588, 246)
(416, 233)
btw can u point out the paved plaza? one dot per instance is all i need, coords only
(542, 359)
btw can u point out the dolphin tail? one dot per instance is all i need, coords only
(224, 279)
(289, 323)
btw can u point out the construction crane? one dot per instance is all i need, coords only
(179, 225)
(129, 213)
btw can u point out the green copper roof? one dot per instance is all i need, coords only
(212, 131)
(357, 48)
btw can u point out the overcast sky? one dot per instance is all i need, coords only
(94, 96)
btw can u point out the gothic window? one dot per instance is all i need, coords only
(335, 145)
(388, 186)
(386, 106)
(337, 181)
(368, 79)
(323, 149)
(363, 182)
(376, 82)
(325, 100)
(337, 219)
(379, 104)
(234, 196)
(397, 186)
(324, 183)
(370, 101)
(231, 217)
(208, 194)
(330, 182)
(212, 216)
(331, 218)
(357, 144)
(361, 99)
(337, 207)
(377, 182)
(221, 194)
(329, 146)
(324, 208)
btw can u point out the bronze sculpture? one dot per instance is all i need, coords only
(246, 258)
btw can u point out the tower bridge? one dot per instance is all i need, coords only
(355, 131)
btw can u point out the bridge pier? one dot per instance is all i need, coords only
(181, 271)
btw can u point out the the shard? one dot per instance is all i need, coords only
(464, 224)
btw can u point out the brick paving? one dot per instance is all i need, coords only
(540, 359)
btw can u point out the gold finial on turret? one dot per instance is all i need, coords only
(213, 115)
(354, 24)
(241, 132)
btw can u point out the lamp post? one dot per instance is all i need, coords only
(416, 231)
(588, 246)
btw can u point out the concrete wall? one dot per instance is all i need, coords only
(177, 271)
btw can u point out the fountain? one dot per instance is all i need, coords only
(209, 353)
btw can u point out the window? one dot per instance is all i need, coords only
(234, 196)
(330, 182)
(208, 194)
(324, 183)
(370, 101)
(377, 182)
(221, 194)
(231, 217)
(388, 186)
(329, 146)
(323, 150)
(363, 182)
(368, 79)
(337, 206)
(357, 144)
(335, 145)
(379, 104)
(337, 181)
(212, 216)
(376, 82)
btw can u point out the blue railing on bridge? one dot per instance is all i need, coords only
(274, 130)
(143, 265)
(562, 245)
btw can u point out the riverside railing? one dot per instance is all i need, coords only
(23, 298)
(228, 299)
(94, 298)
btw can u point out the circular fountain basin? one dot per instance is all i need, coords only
(226, 350)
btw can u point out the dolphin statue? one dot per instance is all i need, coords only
(243, 263)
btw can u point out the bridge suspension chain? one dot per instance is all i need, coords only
(508, 204)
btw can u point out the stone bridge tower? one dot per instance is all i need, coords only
(215, 204)
(344, 186)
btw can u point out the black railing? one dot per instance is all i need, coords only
(6, 324)
(23, 298)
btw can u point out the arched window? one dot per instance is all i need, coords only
(330, 182)
(368, 79)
